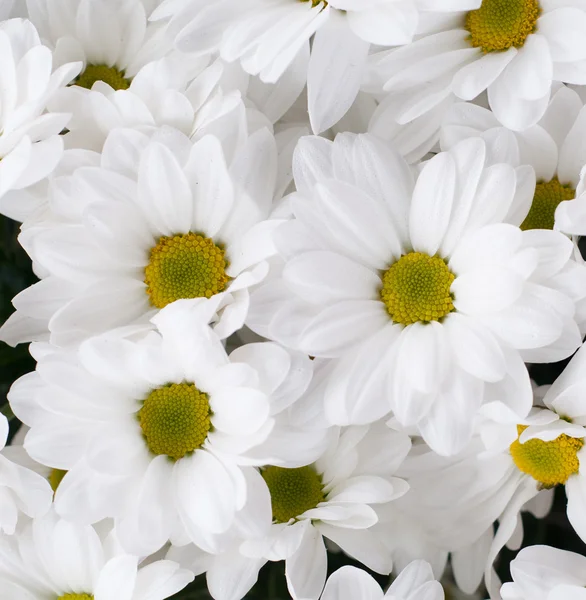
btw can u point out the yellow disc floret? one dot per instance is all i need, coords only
(76, 597)
(110, 75)
(55, 478)
(185, 266)
(175, 419)
(550, 463)
(293, 491)
(417, 289)
(548, 194)
(502, 24)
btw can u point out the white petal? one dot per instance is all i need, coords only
(334, 74)
(117, 579)
(432, 203)
(349, 583)
(306, 570)
(163, 191)
(205, 493)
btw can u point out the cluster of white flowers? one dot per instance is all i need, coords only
(294, 258)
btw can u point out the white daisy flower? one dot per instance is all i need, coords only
(515, 49)
(545, 450)
(161, 219)
(51, 558)
(266, 35)
(21, 489)
(451, 507)
(399, 281)
(553, 148)
(546, 573)
(112, 38)
(416, 581)
(30, 146)
(330, 499)
(156, 432)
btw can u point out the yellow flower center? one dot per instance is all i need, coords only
(55, 478)
(293, 491)
(417, 289)
(548, 194)
(502, 24)
(185, 266)
(550, 463)
(110, 75)
(76, 597)
(175, 419)
(315, 3)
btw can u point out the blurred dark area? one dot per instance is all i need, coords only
(16, 274)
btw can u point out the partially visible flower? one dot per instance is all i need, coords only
(514, 49)
(546, 573)
(333, 498)
(553, 147)
(267, 35)
(50, 558)
(161, 219)
(416, 581)
(30, 145)
(21, 489)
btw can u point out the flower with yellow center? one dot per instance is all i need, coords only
(547, 197)
(175, 420)
(417, 289)
(502, 24)
(293, 491)
(550, 463)
(55, 559)
(110, 75)
(185, 266)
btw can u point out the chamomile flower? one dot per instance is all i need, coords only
(155, 431)
(543, 451)
(267, 35)
(514, 49)
(400, 282)
(162, 219)
(415, 581)
(331, 498)
(21, 489)
(546, 573)
(50, 558)
(112, 38)
(30, 146)
(553, 148)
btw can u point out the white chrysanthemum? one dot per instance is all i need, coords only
(267, 35)
(451, 507)
(546, 573)
(330, 499)
(195, 96)
(416, 581)
(21, 489)
(155, 431)
(51, 558)
(428, 301)
(515, 49)
(161, 219)
(547, 449)
(554, 148)
(30, 146)
(112, 38)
